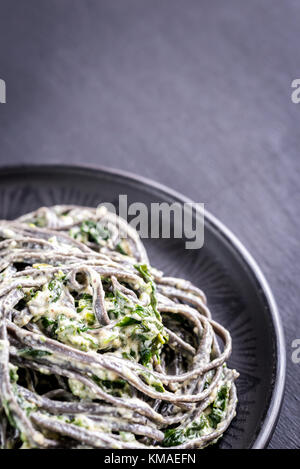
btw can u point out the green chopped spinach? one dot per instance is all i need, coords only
(35, 353)
(178, 436)
(56, 287)
(91, 231)
(218, 407)
(205, 423)
(121, 250)
(83, 301)
(144, 271)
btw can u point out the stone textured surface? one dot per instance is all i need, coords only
(193, 94)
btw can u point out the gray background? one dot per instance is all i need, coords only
(194, 94)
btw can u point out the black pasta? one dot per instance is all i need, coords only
(97, 348)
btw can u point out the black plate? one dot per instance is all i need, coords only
(237, 292)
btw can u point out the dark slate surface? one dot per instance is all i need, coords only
(194, 94)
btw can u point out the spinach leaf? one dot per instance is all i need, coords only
(35, 353)
(178, 436)
(218, 407)
(55, 286)
(127, 321)
(116, 387)
(174, 437)
(95, 231)
(121, 250)
(83, 301)
(144, 271)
